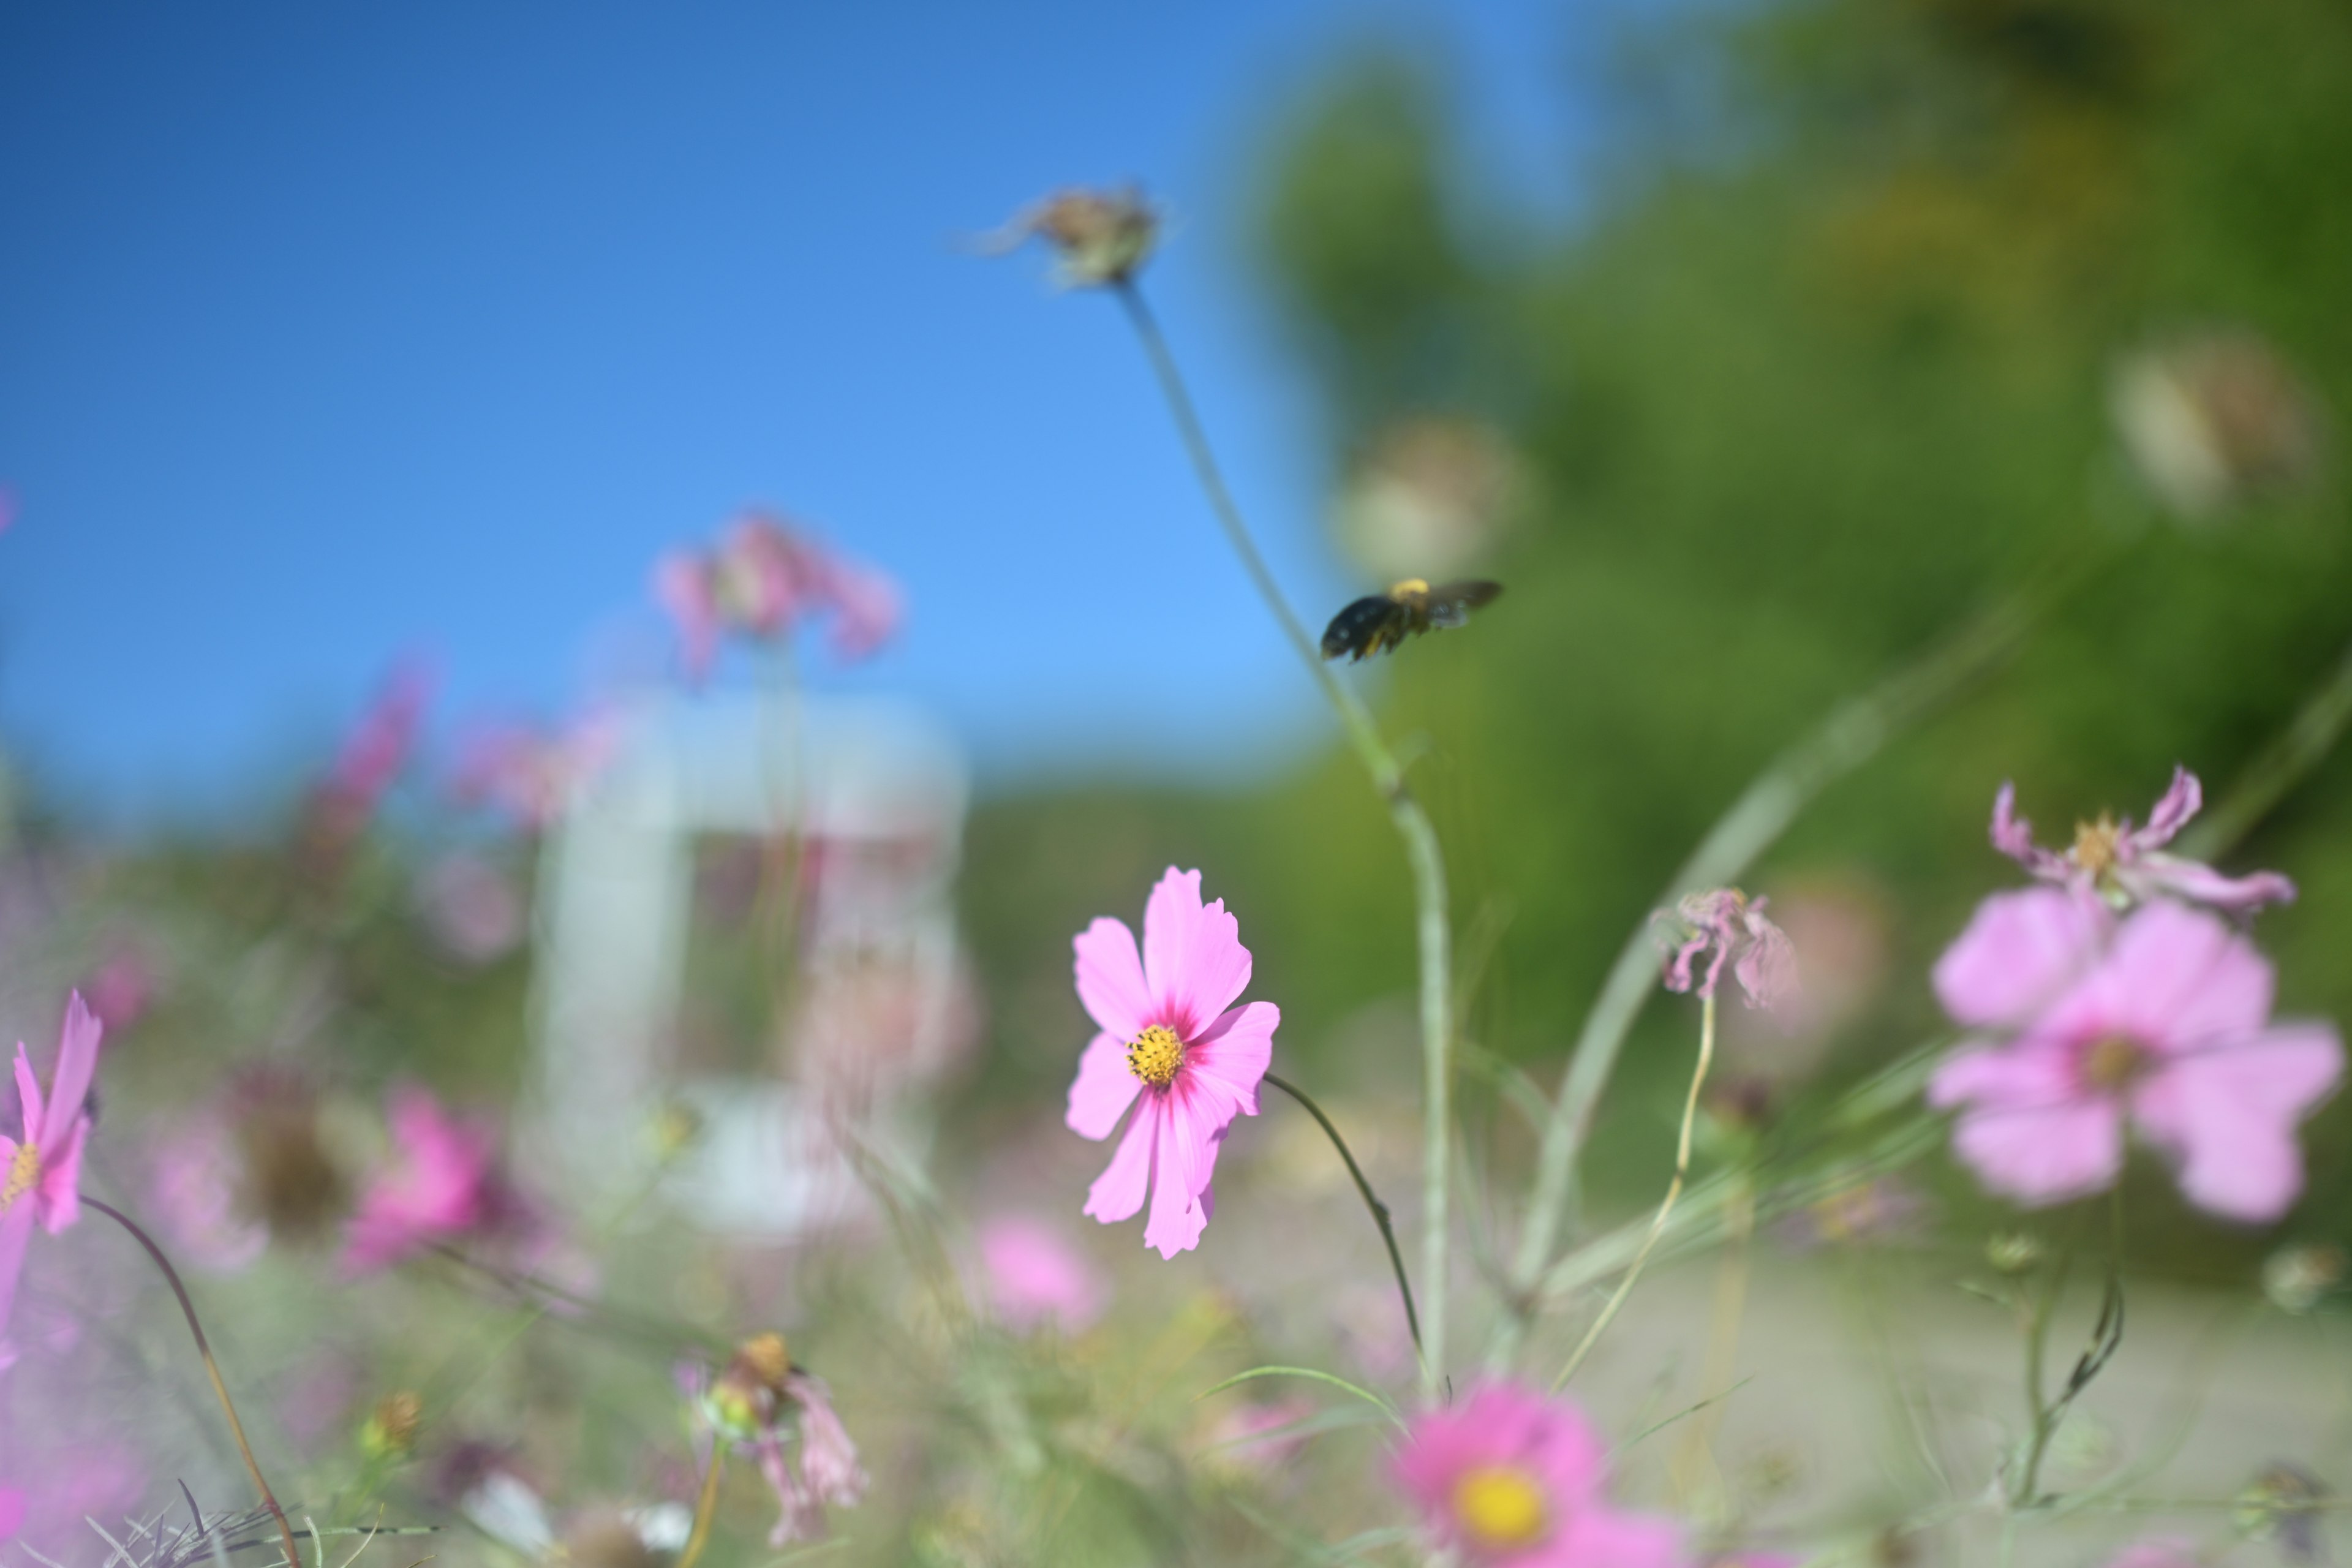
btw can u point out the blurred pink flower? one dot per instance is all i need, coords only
(40, 1177)
(371, 756)
(2125, 864)
(123, 989)
(54, 1489)
(762, 581)
(1035, 1276)
(439, 1185)
(1732, 927)
(1254, 1437)
(2157, 1552)
(12, 1500)
(198, 1168)
(531, 773)
(1169, 1036)
(471, 907)
(1511, 1479)
(2169, 1027)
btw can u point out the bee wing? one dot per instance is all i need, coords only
(1450, 604)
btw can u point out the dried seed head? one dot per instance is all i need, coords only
(390, 1431)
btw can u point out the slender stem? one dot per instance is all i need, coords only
(1851, 734)
(2309, 736)
(1665, 1209)
(1379, 1210)
(212, 1369)
(2037, 1408)
(706, 1508)
(1433, 931)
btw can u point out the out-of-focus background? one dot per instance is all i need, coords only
(1756, 348)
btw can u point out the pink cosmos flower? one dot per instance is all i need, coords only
(40, 1176)
(1035, 1276)
(1171, 1040)
(2125, 864)
(531, 773)
(1511, 1479)
(762, 582)
(2166, 1025)
(440, 1183)
(1731, 926)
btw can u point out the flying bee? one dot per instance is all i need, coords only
(1381, 621)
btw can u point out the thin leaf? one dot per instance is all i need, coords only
(1307, 1372)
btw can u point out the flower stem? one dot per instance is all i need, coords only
(1665, 1209)
(1379, 1210)
(706, 1508)
(1434, 930)
(1850, 735)
(212, 1369)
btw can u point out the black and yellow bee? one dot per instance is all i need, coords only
(1381, 621)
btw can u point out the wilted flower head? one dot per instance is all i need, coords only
(40, 1174)
(2214, 419)
(440, 1183)
(1035, 1276)
(2284, 1505)
(749, 1405)
(2167, 1026)
(763, 580)
(1098, 237)
(1726, 926)
(1169, 1040)
(2296, 1277)
(389, 1430)
(1510, 1478)
(2124, 864)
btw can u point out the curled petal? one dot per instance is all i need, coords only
(2013, 836)
(2182, 799)
(2160, 874)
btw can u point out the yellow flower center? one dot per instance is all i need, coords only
(23, 1172)
(1154, 1055)
(1500, 1506)
(2097, 845)
(2113, 1063)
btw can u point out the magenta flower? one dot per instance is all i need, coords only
(2167, 1026)
(1511, 1479)
(440, 1183)
(762, 582)
(40, 1177)
(1728, 925)
(2125, 864)
(1171, 1039)
(1035, 1276)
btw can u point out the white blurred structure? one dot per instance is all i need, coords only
(874, 792)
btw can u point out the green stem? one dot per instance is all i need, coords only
(1665, 1209)
(1854, 733)
(2037, 1409)
(1421, 853)
(1379, 1210)
(706, 1508)
(212, 1370)
(2309, 736)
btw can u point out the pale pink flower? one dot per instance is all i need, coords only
(40, 1176)
(762, 581)
(471, 907)
(123, 989)
(531, 773)
(2124, 864)
(12, 1499)
(1726, 926)
(1170, 1038)
(1035, 1276)
(440, 1183)
(2157, 1552)
(1511, 1479)
(1260, 1437)
(2168, 1027)
(380, 743)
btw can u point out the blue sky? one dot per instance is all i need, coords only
(330, 332)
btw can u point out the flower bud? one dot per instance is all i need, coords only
(2014, 1251)
(389, 1430)
(2295, 1277)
